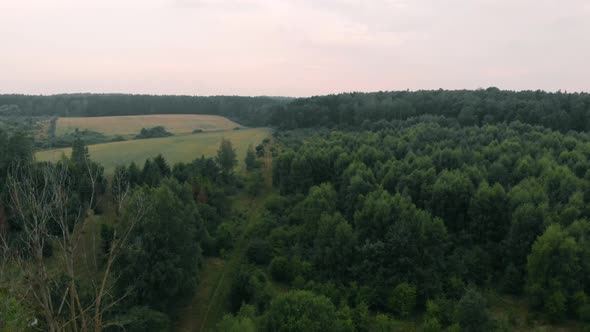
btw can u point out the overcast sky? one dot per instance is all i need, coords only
(292, 47)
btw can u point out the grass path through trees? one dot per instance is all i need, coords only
(210, 301)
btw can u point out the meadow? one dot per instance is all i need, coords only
(179, 148)
(132, 124)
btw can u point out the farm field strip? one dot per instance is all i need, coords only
(182, 148)
(132, 124)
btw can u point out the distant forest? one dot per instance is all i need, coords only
(559, 111)
(248, 111)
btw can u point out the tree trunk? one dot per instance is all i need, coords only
(3, 221)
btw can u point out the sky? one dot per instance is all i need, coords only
(292, 47)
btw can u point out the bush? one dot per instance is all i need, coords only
(145, 319)
(13, 315)
(383, 324)
(242, 322)
(158, 131)
(431, 325)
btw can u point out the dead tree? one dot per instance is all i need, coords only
(40, 201)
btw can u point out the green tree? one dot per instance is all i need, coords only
(150, 174)
(527, 225)
(142, 318)
(281, 269)
(166, 240)
(301, 311)
(250, 160)
(87, 177)
(162, 165)
(334, 245)
(553, 271)
(80, 154)
(226, 156)
(134, 174)
(244, 321)
(489, 213)
(255, 183)
(383, 323)
(472, 312)
(259, 252)
(403, 299)
(451, 194)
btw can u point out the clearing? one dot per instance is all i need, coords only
(132, 124)
(181, 148)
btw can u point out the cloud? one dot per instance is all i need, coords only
(217, 4)
(292, 47)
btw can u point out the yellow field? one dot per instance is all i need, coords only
(131, 125)
(183, 148)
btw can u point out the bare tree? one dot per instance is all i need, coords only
(42, 204)
(120, 188)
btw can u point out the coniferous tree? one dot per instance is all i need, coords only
(226, 156)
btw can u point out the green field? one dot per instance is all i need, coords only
(183, 148)
(131, 125)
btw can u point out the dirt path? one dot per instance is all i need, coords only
(211, 275)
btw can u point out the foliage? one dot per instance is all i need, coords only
(373, 111)
(166, 240)
(250, 160)
(472, 314)
(226, 156)
(138, 319)
(14, 316)
(301, 311)
(556, 276)
(244, 321)
(154, 132)
(403, 299)
(281, 269)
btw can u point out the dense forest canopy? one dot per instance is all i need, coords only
(427, 210)
(560, 111)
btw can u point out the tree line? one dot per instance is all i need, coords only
(249, 111)
(560, 111)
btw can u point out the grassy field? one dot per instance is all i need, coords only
(131, 125)
(183, 148)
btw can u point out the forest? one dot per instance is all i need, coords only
(245, 110)
(388, 211)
